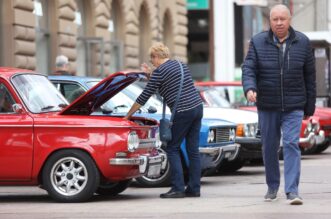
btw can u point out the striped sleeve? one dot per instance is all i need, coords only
(151, 88)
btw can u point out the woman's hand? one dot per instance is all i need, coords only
(148, 70)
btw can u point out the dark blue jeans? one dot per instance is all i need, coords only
(287, 125)
(186, 125)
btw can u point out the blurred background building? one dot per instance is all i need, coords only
(104, 36)
(98, 36)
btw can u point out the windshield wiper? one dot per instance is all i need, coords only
(121, 106)
(63, 105)
(47, 108)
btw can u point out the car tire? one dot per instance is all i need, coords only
(307, 151)
(113, 188)
(70, 176)
(322, 147)
(231, 166)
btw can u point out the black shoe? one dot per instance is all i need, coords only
(172, 194)
(192, 194)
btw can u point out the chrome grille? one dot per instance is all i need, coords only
(222, 134)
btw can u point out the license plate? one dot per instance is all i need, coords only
(154, 170)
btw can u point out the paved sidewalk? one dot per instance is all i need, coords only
(239, 195)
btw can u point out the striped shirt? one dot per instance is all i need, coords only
(166, 79)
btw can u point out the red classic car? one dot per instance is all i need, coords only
(231, 93)
(65, 148)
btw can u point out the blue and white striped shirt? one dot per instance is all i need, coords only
(166, 79)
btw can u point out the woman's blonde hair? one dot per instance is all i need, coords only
(159, 50)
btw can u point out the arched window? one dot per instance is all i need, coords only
(168, 35)
(116, 29)
(43, 64)
(144, 34)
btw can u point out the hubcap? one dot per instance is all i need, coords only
(69, 176)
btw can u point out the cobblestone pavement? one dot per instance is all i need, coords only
(238, 195)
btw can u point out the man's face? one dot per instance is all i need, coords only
(280, 22)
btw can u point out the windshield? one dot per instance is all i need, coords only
(234, 94)
(215, 99)
(38, 93)
(122, 102)
(225, 96)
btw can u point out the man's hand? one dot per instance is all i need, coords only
(251, 96)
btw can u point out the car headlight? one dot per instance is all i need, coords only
(133, 141)
(232, 134)
(249, 130)
(211, 136)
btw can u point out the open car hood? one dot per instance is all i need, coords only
(101, 93)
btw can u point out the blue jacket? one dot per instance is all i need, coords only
(282, 83)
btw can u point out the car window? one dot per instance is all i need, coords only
(71, 91)
(6, 100)
(38, 94)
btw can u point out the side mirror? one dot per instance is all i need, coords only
(152, 109)
(17, 108)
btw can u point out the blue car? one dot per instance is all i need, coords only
(217, 137)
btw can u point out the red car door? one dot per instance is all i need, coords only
(16, 140)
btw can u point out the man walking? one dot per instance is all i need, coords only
(279, 75)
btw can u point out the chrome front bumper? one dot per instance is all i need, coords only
(308, 141)
(229, 152)
(147, 165)
(320, 138)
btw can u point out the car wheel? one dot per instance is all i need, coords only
(160, 181)
(70, 176)
(113, 188)
(322, 147)
(306, 151)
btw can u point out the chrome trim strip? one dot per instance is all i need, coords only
(141, 160)
(18, 126)
(210, 150)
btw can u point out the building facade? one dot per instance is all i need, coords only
(98, 36)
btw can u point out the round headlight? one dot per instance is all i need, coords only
(232, 134)
(252, 130)
(133, 141)
(211, 136)
(246, 130)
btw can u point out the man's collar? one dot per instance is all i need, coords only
(277, 41)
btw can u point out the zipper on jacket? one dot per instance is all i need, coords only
(281, 62)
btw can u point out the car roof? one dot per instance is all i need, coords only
(7, 72)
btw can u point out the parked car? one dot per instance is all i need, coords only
(217, 137)
(67, 150)
(230, 94)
